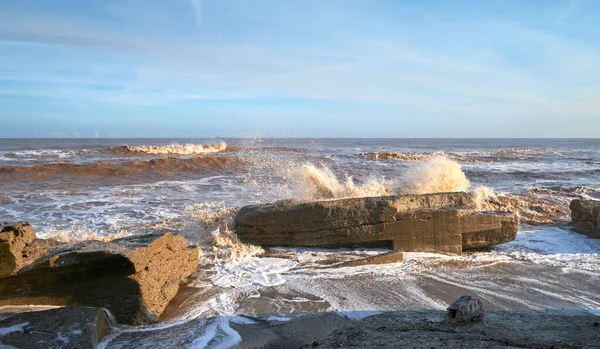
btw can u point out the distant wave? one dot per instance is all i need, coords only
(567, 192)
(155, 167)
(245, 149)
(495, 155)
(173, 149)
(564, 175)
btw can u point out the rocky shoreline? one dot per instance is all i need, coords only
(134, 277)
(132, 280)
(426, 329)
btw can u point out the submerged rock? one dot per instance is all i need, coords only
(585, 215)
(134, 277)
(69, 327)
(442, 222)
(384, 258)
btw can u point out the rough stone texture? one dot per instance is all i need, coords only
(585, 215)
(69, 327)
(14, 237)
(427, 329)
(20, 247)
(443, 222)
(135, 277)
(465, 310)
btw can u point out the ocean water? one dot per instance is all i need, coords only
(74, 189)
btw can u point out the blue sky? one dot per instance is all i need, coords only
(300, 68)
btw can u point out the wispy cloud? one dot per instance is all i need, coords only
(507, 69)
(197, 9)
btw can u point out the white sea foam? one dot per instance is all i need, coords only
(252, 271)
(217, 335)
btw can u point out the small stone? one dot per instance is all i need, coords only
(465, 310)
(315, 344)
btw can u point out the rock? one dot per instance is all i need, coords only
(69, 327)
(443, 222)
(134, 277)
(585, 215)
(465, 310)
(14, 237)
(20, 247)
(497, 329)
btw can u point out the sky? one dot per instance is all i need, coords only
(300, 68)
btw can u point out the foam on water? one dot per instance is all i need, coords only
(252, 271)
(202, 204)
(218, 335)
(549, 246)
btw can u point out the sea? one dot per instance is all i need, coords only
(78, 189)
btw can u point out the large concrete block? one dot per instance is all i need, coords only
(443, 222)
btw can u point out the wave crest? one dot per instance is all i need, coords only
(159, 168)
(494, 155)
(173, 149)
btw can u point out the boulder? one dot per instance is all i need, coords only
(14, 237)
(465, 310)
(134, 277)
(20, 247)
(585, 215)
(69, 327)
(442, 222)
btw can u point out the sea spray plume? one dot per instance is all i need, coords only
(273, 178)
(314, 183)
(211, 227)
(176, 149)
(484, 196)
(439, 174)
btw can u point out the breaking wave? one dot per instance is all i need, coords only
(308, 181)
(160, 167)
(173, 149)
(210, 226)
(438, 175)
(314, 182)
